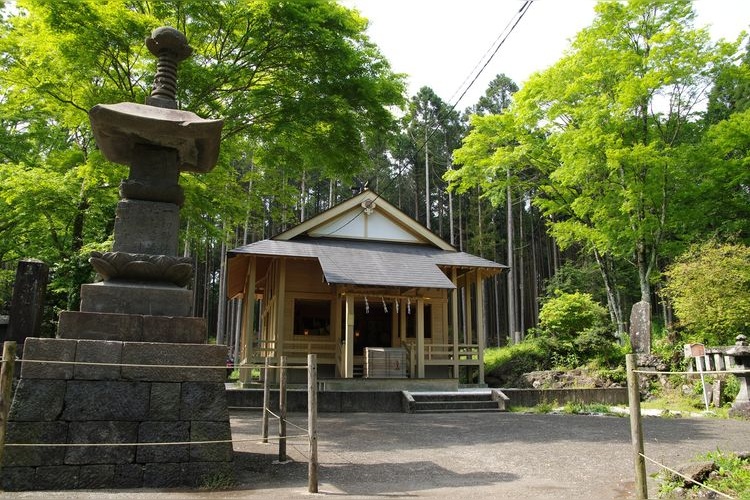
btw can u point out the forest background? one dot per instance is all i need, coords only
(619, 174)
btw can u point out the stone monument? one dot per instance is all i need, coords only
(640, 327)
(140, 314)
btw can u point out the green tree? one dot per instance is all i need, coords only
(302, 90)
(709, 287)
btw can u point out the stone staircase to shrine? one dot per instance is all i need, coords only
(491, 400)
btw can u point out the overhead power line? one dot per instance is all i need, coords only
(482, 64)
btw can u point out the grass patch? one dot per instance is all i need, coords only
(731, 476)
(575, 408)
(220, 481)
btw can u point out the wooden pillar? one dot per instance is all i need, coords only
(280, 308)
(481, 334)
(248, 333)
(454, 320)
(420, 337)
(402, 321)
(468, 309)
(395, 338)
(336, 330)
(349, 339)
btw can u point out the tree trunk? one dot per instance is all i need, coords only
(613, 295)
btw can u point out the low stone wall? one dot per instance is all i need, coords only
(328, 401)
(391, 401)
(533, 397)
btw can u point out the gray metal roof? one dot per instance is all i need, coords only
(372, 263)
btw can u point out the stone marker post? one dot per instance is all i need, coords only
(27, 302)
(640, 327)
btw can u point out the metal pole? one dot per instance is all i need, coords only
(266, 397)
(282, 409)
(636, 430)
(312, 422)
(6, 390)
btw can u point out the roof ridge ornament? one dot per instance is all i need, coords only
(369, 206)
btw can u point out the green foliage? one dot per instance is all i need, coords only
(731, 476)
(709, 287)
(575, 408)
(566, 315)
(525, 355)
(7, 276)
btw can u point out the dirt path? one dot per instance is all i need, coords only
(479, 455)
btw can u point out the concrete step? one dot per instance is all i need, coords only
(460, 401)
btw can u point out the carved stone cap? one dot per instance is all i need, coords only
(119, 127)
(142, 267)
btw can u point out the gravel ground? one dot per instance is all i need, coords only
(459, 455)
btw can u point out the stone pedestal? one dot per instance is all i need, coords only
(73, 404)
(741, 353)
(136, 298)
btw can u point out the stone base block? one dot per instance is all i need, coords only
(136, 298)
(132, 327)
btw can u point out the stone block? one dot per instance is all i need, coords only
(163, 432)
(163, 475)
(128, 476)
(98, 351)
(165, 401)
(96, 476)
(210, 431)
(100, 326)
(101, 432)
(123, 297)
(204, 401)
(38, 400)
(202, 474)
(106, 400)
(174, 354)
(36, 349)
(35, 432)
(147, 227)
(18, 478)
(175, 329)
(56, 477)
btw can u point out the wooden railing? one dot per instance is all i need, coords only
(443, 354)
(325, 350)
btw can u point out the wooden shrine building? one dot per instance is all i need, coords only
(369, 290)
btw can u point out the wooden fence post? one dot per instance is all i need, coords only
(636, 430)
(266, 397)
(312, 422)
(6, 390)
(282, 409)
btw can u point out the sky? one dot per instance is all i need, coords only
(439, 43)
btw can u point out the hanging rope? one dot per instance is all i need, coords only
(367, 306)
(408, 306)
(385, 307)
(396, 302)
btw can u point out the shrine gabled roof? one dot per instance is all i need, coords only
(372, 263)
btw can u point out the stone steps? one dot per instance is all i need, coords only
(454, 402)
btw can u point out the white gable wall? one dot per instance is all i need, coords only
(359, 225)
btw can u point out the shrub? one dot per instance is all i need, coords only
(709, 287)
(566, 315)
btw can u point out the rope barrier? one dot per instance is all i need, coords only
(171, 443)
(135, 365)
(686, 477)
(711, 372)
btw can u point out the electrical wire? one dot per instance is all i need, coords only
(493, 50)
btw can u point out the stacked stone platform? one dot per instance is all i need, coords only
(116, 403)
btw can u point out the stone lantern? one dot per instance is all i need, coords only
(741, 354)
